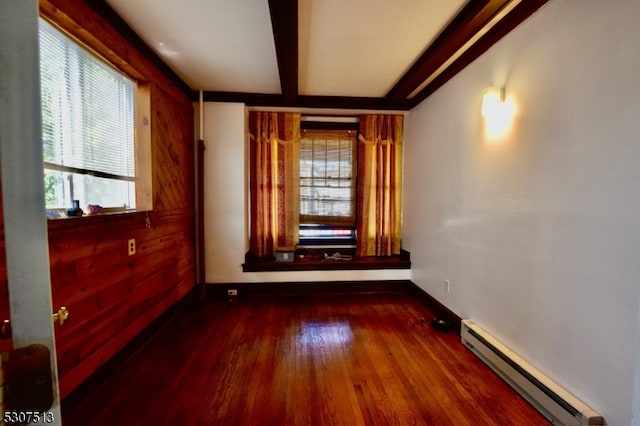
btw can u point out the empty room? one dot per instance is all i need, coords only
(316, 212)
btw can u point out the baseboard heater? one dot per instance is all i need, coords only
(550, 399)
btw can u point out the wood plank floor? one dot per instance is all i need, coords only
(312, 360)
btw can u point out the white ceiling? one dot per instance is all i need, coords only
(346, 47)
(220, 45)
(373, 54)
(362, 47)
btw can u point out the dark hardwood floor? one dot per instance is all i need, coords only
(357, 359)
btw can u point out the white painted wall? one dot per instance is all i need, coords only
(224, 188)
(540, 233)
(226, 198)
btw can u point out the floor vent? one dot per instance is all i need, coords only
(554, 402)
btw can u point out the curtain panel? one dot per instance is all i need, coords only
(274, 177)
(379, 186)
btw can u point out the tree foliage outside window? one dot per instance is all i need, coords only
(88, 126)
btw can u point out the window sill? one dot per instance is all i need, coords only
(62, 223)
(254, 264)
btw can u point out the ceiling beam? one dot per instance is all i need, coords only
(471, 19)
(515, 17)
(284, 21)
(326, 102)
(249, 99)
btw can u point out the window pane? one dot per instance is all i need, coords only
(105, 192)
(88, 190)
(334, 182)
(327, 189)
(88, 114)
(56, 191)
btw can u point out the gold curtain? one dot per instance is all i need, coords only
(379, 190)
(274, 181)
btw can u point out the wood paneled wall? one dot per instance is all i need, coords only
(112, 296)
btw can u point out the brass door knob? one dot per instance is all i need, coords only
(61, 316)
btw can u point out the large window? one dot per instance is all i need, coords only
(327, 183)
(91, 146)
(327, 177)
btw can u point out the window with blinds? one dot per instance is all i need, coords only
(88, 126)
(327, 177)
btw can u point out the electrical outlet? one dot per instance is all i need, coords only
(232, 292)
(447, 286)
(132, 246)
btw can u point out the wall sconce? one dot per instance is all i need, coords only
(492, 99)
(498, 112)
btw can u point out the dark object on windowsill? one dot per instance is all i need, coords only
(75, 210)
(441, 324)
(95, 209)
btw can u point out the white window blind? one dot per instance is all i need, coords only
(88, 129)
(327, 183)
